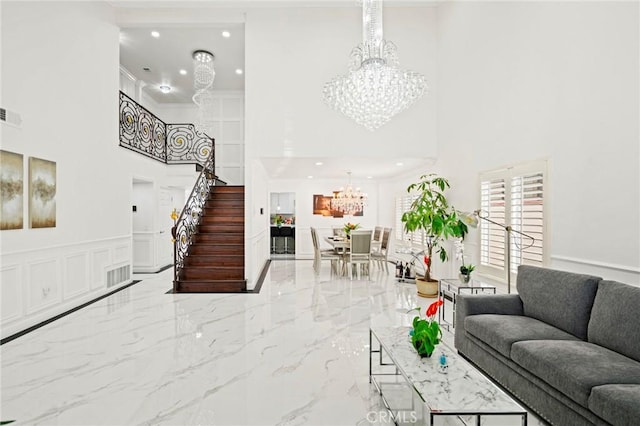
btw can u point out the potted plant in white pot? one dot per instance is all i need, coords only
(431, 212)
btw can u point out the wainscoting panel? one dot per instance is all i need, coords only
(11, 296)
(122, 253)
(43, 284)
(256, 254)
(76, 277)
(101, 258)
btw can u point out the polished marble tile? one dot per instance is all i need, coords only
(294, 354)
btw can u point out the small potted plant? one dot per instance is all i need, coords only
(426, 333)
(348, 227)
(465, 269)
(465, 272)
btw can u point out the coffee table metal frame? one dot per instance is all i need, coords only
(450, 288)
(388, 349)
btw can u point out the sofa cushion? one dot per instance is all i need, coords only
(574, 367)
(501, 331)
(562, 299)
(617, 404)
(615, 319)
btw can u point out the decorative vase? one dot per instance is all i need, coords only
(464, 278)
(427, 288)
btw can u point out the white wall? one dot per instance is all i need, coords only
(291, 53)
(228, 131)
(68, 119)
(522, 81)
(53, 53)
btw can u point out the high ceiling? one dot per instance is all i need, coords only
(171, 51)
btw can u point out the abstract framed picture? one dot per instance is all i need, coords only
(42, 193)
(11, 190)
(322, 204)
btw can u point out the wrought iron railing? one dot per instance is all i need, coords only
(187, 224)
(143, 132)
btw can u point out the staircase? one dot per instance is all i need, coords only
(215, 260)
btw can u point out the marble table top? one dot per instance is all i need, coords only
(463, 389)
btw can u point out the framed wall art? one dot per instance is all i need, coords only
(42, 193)
(11, 190)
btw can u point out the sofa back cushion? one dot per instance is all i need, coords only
(562, 299)
(615, 318)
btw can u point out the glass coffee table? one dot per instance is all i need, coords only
(450, 288)
(462, 395)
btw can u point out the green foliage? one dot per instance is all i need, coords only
(467, 269)
(432, 213)
(426, 335)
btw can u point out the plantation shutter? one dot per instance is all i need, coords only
(513, 196)
(403, 204)
(492, 196)
(527, 216)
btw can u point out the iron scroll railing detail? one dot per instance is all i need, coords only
(141, 131)
(187, 224)
(185, 145)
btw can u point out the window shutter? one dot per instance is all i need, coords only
(515, 197)
(527, 216)
(492, 202)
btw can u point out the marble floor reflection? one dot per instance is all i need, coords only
(294, 354)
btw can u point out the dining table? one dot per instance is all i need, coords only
(341, 246)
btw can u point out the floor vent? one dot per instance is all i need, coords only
(118, 275)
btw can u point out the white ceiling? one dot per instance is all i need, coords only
(166, 55)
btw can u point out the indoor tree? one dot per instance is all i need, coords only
(431, 212)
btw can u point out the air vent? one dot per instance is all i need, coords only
(10, 117)
(118, 275)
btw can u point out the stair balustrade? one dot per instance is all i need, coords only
(187, 224)
(143, 132)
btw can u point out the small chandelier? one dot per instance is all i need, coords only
(375, 89)
(203, 76)
(347, 200)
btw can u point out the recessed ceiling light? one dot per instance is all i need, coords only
(155, 34)
(183, 72)
(399, 164)
(165, 89)
(226, 34)
(369, 177)
(309, 177)
(239, 71)
(319, 163)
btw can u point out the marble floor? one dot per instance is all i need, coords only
(294, 354)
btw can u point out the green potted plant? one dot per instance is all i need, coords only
(431, 212)
(465, 269)
(426, 333)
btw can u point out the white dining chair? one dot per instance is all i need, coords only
(319, 255)
(359, 256)
(381, 256)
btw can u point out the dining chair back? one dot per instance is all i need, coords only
(360, 251)
(380, 257)
(319, 255)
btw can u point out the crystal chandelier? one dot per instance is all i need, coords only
(347, 200)
(203, 76)
(375, 89)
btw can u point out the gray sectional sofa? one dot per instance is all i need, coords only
(567, 345)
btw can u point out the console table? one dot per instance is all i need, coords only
(462, 393)
(450, 288)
